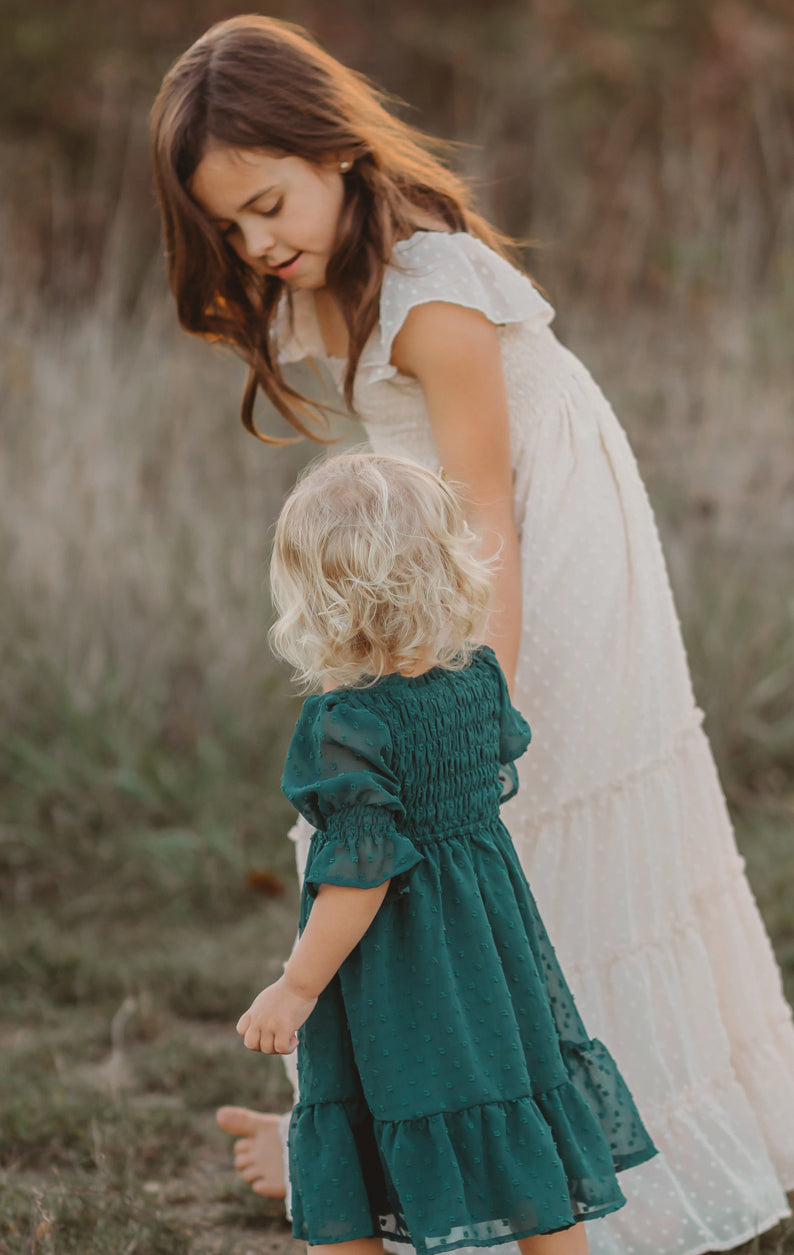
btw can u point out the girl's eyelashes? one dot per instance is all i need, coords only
(275, 209)
(231, 227)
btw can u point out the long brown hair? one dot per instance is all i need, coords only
(258, 83)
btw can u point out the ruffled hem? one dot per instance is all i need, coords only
(712, 1164)
(480, 1176)
(337, 1163)
(601, 1088)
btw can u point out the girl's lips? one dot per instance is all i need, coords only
(287, 266)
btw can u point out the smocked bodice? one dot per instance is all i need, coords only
(366, 761)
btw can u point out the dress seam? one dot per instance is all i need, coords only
(648, 765)
(458, 1111)
(678, 926)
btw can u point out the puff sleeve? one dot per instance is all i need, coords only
(514, 731)
(338, 774)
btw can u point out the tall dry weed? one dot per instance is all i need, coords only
(645, 146)
(134, 515)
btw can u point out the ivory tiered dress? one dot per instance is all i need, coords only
(620, 822)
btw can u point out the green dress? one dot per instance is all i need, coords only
(449, 1093)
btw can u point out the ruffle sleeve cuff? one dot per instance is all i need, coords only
(358, 849)
(339, 774)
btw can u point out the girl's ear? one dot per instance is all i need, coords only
(342, 162)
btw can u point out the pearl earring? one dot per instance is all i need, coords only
(344, 166)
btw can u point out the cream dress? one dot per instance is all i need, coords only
(619, 822)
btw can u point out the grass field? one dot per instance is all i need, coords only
(146, 885)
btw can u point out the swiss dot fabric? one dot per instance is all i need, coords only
(620, 823)
(449, 1092)
(338, 776)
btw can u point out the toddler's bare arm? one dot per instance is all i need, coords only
(338, 920)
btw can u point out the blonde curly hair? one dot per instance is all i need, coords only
(375, 570)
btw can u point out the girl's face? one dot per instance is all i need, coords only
(280, 214)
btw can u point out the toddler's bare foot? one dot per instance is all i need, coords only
(257, 1151)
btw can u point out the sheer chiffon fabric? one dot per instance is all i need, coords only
(449, 1092)
(620, 822)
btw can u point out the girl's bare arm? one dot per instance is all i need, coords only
(338, 920)
(454, 354)
(339, 917)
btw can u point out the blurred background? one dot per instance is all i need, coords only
(643, 152)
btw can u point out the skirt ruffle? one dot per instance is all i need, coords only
(479, 1176)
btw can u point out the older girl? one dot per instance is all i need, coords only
(303, 221)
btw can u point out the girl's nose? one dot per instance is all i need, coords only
(258, 237)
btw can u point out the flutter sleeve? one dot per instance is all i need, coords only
(457, 269)
(339, 775)
(514, 731)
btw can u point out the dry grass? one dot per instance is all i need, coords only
(146, 728)
(135, 518)
(146, 723)
(649, 148)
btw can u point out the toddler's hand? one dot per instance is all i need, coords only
(271, 1022)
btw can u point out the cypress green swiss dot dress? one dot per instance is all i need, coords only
(449, 1093)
